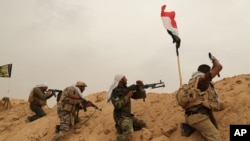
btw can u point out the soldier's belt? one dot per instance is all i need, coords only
(189, 113)
(197, 109)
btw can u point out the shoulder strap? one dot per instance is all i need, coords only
(194, 83)
(197, 79)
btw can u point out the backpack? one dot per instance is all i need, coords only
(187, 95)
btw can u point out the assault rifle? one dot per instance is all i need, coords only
(85, 103)
(58, 95)
(55, 90)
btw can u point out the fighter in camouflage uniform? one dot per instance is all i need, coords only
(199, 115)
(125, 121)
(66, 107)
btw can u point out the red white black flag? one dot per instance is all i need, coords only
(170, 25)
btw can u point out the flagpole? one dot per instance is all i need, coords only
(9, 88)
(179, 68)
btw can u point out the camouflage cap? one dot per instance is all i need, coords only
(81, 83)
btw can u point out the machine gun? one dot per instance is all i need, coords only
(154, 85)
(140, 95)
(135, 87)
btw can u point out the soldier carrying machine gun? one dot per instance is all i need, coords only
(135, 87)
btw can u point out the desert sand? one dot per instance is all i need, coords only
(160, 111)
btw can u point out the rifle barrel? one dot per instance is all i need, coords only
(154, 85)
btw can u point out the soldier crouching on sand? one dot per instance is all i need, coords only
(38, 98)
(125, 122)
(199, 113)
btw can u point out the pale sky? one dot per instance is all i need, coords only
(62, 41)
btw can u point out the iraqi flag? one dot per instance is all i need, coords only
(170, 25)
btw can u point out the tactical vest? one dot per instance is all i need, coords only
(66, 103)
(188, 95)
(35, 99)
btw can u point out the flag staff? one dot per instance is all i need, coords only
(179, 67)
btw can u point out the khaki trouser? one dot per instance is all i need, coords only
(203, 124)
(127, 126)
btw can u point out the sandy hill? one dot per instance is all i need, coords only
(160, 111)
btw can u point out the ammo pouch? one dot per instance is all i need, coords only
(68, 104)
(68, 107)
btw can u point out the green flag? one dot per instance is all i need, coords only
(5, 70)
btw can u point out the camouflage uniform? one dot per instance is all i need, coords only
(200, 116)
(66, 110)
(37, 99)
(125, 122)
